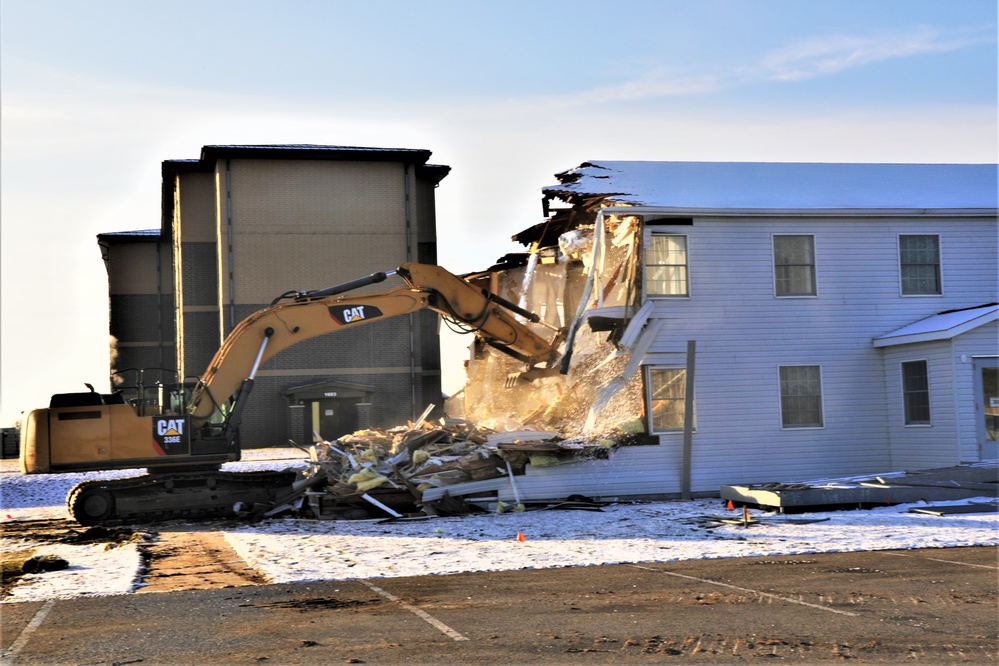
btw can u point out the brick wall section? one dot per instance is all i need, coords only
(309, 224)
(141, 316)
(195, 247)
(305, 224)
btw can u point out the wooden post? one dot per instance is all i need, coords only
(688, 421)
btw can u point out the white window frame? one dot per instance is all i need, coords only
(686, 266)
(649, 369)
(929, 398)
(901, 281)
(814, 264)
(822, 398)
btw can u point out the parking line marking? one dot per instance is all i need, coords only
(419, 613)
(935, 559)
(10, 653)
(746, 589)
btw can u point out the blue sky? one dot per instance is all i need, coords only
(95, 95)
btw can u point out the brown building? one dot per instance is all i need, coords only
(242, 225)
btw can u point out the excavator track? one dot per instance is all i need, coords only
(158, 497)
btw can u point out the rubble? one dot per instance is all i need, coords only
(581, 276)
(390, 469)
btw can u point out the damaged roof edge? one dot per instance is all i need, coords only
(783, 186)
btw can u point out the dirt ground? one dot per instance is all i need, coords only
(176, 557)
(194, 560)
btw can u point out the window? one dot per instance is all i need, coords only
(801, 396)
(916, 393)
(666, 265)
(919, 264)
(667, 388)
(794, 265)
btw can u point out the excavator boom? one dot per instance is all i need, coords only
(183, 448)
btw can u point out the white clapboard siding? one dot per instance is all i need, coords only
(744, 333)
(630, 471)
(923, 446)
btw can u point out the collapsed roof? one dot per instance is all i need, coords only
(753, 187)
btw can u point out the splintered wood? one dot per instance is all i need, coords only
(384, 472)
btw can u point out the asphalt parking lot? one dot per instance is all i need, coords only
(920, 606)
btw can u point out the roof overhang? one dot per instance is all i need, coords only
(943, 326)
(329, 389)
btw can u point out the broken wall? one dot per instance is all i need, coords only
(599, 394)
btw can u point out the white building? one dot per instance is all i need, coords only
(844, 317)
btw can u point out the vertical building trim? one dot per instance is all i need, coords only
(411, 316)
(159, 303)
(229, 233)
(177, 252)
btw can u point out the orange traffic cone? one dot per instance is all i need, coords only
(520, 537)
(730, 506)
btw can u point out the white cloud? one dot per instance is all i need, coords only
(831, 54)
(805, 59)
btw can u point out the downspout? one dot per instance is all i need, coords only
(412, 315)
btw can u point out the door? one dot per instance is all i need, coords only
(335, 418)
(987, 406)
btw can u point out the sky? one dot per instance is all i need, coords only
(94, 96)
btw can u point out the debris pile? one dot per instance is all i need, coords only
(390, 469)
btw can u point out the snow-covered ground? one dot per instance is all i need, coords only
(288, 550)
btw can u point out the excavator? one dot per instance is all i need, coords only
(183, 441)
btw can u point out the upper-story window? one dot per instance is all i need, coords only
(919, 264)
(794, 265)
(666, 265)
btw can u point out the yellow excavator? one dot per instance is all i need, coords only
(183, 441)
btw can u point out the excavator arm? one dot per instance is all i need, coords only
(298, 316)
(183, 452)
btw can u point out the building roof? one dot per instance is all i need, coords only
(432, 173)
(139, 236)
(308, 151)
(941, 326)
(782, 186)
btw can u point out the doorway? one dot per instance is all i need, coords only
(333, 418)
(328, 406)
(987, 406)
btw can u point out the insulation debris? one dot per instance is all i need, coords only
(376, 472)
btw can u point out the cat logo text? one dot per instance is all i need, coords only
(353, 314)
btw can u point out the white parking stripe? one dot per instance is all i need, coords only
(746, 589)
(920, 557)
(419, 613)
(11, 653)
